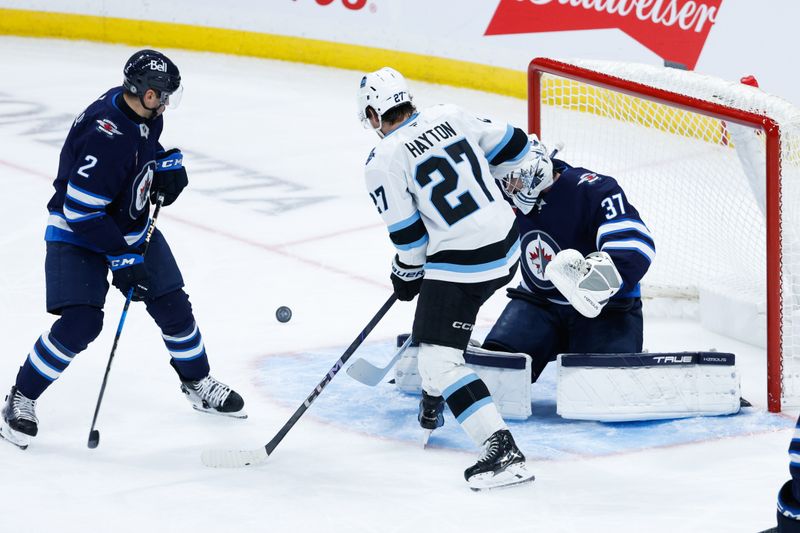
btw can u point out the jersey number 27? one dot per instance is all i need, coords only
(466, 203)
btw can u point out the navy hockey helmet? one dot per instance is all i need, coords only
(149, 69)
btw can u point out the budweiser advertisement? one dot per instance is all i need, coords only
(676, 30)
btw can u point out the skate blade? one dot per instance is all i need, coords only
(515, 474)
(237, 414)
(426, 435)
(15, 438)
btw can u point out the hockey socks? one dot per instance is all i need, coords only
(45, 363)
(472, 406)
(188, 353)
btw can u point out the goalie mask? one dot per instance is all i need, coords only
(534, 174)
(381, 90)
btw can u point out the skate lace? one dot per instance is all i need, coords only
(24, 408)
(212, 391)
(490, 451)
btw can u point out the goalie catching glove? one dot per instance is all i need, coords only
(534, 174)
(406, 279)
(587, 283)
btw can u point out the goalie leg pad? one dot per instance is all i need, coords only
(406, 372)
(506, 375)
(647, 386)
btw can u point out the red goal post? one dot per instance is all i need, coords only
(593, 88)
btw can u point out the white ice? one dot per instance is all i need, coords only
(293, 127)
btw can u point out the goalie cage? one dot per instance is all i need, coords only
(714, 168)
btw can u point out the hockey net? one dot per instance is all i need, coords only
(714, 169)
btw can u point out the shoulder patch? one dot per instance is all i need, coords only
(107, 127)
(589, 177)
(370, 156)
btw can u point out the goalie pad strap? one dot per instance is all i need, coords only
(628, 360)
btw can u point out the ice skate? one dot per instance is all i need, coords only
(431, 415)
(501, 464)
(19, 422)
(211, 396)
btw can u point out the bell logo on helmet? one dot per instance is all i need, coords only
(159, 65)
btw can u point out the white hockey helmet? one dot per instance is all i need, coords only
(381, 90)
(534, 174)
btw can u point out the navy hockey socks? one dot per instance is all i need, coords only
(188, 353)
(53, 351)
(45, 363)
(173, 314)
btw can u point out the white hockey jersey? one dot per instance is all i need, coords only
(433, 181)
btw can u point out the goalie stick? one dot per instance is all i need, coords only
(365, 372)
(241, 458)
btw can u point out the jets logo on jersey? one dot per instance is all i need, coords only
(141, 189)
(107, 127)
(589, 177)
(538, 249)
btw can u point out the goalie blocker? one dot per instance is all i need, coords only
(647, 386)
(506, 375)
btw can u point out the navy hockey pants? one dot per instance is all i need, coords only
(544, 330)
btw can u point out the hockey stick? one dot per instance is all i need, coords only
(365, 372)
(94, 434)
(240, 458)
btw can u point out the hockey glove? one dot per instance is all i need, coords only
(406, 279)
(170, 176)
(586, 283)
(128, 271)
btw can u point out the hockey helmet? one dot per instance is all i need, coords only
(149, 69)
(381, 90)
(533, 175)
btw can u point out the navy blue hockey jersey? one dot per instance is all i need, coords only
(104, 175)
(588, 212)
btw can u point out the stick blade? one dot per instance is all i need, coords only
(94, 439)
(365, 372)
(233, 458)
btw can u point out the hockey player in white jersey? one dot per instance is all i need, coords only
(432, 179)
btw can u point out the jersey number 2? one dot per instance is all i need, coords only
(92, 161)
(466, 203)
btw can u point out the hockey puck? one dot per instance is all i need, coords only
(283, 314)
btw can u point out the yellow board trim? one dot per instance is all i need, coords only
(453, 72)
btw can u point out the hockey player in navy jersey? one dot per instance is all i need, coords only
(584, 249)
(789, 494)
(431, 178)
(111, 167)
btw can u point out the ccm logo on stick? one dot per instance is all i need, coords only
(463, 325)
